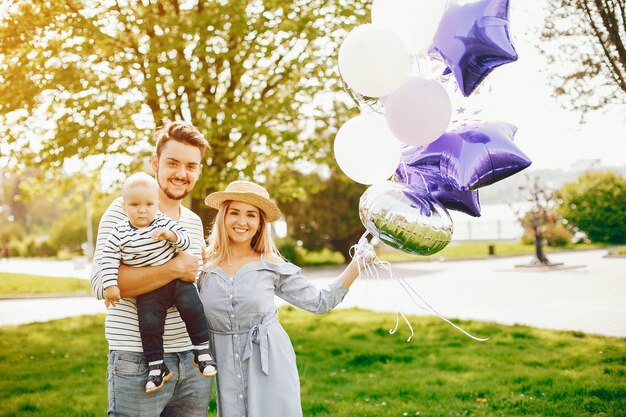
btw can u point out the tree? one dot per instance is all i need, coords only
(590, 36)
(596, 204)
(541, 218)
(254, 76)
(327, 215)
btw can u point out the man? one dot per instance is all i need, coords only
(177, 164)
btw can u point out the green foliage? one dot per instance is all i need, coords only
(11, 284)
(596, 204)
(320, 258)
(69, 231)
(554, 232)
(288, 248)
(10, 231)
(327, 215)
(248, 74)
(589, 37)
(350, 366)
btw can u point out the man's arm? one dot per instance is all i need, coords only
(137, 281)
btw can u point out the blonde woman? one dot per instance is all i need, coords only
(258, 375)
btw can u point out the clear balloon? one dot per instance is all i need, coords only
(473, 156)
(373, 61)
(366, 150)
(472, 39)
(406, 221)
(414, 21)
(419, 111)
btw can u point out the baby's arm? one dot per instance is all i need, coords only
(174, 233)
(163, 234)
(111, 295)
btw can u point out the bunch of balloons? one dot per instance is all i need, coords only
(437, 167)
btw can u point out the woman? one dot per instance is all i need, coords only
(258, 375)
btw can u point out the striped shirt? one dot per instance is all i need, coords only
(135, 247)
(121, 326)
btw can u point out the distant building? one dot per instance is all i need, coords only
(586, 165)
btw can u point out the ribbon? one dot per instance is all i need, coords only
(369, 265)
(258, 335)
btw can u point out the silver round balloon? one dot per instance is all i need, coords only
(413, 223)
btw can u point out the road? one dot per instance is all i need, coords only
(588, 294)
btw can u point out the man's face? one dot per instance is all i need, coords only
(140, 204)
(177, 169)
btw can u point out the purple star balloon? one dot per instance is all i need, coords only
(422, 180)
(473, 156)
(472, 39)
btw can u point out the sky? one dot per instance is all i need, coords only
(520, 93)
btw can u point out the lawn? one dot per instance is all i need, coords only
(351, 366)
(12, 284)
(475, 250)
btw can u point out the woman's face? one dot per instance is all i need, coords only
(242, 221)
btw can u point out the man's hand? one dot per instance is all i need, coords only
(186, 266)
(111, 296)
(164, 234)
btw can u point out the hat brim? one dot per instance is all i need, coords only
(271, 210)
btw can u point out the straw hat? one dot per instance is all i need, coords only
(247, 192)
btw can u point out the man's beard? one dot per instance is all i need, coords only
(169, 194)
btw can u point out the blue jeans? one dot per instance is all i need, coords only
(186, 394)
(152, 309)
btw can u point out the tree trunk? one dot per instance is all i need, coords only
(205, 213)
(539, 249)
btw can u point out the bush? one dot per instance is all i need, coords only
(596, 204)
(11, 231)
(288, 248)
(555, 232)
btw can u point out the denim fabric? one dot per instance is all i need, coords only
(152, 309)
(186, 394)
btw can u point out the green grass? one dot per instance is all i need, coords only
(350, 366)
(618, 251)
(473, 250)
(13, 284)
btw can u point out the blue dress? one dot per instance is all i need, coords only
(257, 374)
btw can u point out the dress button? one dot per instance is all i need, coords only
(240, 396)
(230, 296)
(238, 375)
(235, 335)
(236, 355)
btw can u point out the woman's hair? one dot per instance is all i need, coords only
(218, 247)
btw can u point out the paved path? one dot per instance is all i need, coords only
(589, 295)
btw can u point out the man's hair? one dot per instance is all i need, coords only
(179, 131)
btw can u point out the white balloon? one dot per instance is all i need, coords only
(414, 21)
(366, 150)
(373, 61)
(419, 111)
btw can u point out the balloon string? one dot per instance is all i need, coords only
(362, 102)
(406, 172)
(371, 264)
